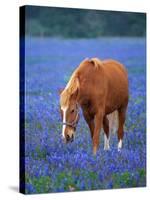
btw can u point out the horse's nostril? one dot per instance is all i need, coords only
(67, 137)
(72, 138)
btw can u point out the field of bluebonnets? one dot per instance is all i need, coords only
(51, 165)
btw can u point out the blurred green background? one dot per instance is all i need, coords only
(82, 23)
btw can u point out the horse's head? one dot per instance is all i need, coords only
(70, 118)
(69, 110)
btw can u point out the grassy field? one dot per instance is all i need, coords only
(52, 166)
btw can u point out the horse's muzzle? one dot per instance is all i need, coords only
(69, 138)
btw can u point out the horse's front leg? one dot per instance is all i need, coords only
(98, 119)
(90, 121)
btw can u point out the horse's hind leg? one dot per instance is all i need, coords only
(121, 116)
(106, 133)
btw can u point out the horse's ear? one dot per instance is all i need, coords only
(60, 91)
(96, 62)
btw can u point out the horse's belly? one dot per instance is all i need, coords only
(114, 103)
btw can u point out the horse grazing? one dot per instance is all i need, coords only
(99, 88)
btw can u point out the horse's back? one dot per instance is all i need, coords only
(103, 83)
(113, 65)
(115, 72)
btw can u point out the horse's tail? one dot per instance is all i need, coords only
(96, 62)
(113, 122)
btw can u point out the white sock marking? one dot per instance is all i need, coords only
(119, 145)
(106, 142)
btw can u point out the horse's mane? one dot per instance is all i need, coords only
(70, 89)
(73, 83)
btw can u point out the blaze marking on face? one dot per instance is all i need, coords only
(64, 121)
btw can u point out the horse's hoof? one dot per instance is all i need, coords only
(94, 151)
(107, 149)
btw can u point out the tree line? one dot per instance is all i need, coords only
(82, 23)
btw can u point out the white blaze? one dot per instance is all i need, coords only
(64, 121)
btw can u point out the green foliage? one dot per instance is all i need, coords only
(39, 126)
(82, 23)
(66, 179)
(40, 153)
(41, 184)
(127, 179)
(71, 180)
(35, 26)
(142, 174)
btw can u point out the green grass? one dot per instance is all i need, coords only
(41, 185)
(127, 179)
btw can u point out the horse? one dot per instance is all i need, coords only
(99, 88)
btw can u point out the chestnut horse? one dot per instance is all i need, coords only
(99, 88)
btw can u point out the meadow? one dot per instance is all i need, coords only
(51, 165)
